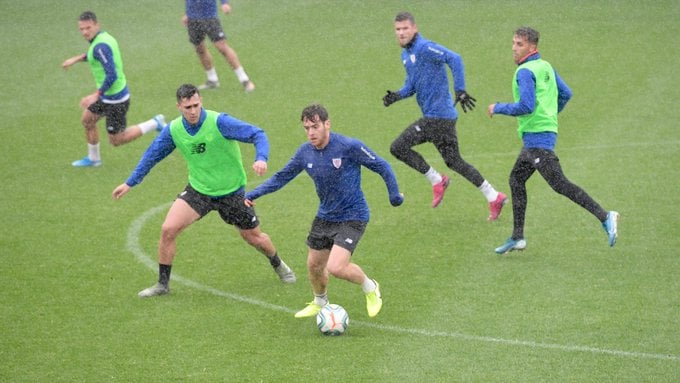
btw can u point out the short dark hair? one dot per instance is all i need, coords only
(529, 33)
(314, 110)
(403, 16)
(186, 91)
(88, 16)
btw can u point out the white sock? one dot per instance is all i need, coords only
(321, 299)
(241, 74)
(147, 126)
(433, 176)
(489, 192)
(93, 152)
(368, 285)
(212, 75)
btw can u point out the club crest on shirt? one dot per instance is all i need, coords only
(413, 58)
(337, 162)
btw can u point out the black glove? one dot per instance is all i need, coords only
(390, 98)
(467, 102)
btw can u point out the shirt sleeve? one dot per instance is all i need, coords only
(564, 94)
(235, 129)
(527, 96)
(454, 61)
(366, 157)
(279, 179)
(103, 53)
(160, 148)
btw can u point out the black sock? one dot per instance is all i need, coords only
(164, 274)
(275, 261)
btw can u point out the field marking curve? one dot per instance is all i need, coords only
(135, 248)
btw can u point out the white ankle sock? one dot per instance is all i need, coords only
(433, 176)
(93, 152)
(212, 75)
(489, 192)
(241, 74)
(368, 285)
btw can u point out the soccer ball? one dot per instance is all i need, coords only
(332, 320)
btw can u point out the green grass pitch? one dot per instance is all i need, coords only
(569, 308)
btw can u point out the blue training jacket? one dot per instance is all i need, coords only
(336, 172)
(426, 77)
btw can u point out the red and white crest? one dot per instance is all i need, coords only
(337, 162)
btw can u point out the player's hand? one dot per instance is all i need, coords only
(466, 101)
(260, 167)
(390, 98)
(120, 191)
(226, 8)
(489, 110)
(249, 203)
(397, 200)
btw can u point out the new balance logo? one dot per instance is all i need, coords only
(198, 148)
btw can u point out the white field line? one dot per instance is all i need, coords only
(134, 247)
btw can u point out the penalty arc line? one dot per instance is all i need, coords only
(134, 247)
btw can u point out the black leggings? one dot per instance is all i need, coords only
(548, 166)
(442, 134)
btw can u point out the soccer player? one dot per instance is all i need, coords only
(208, 141)
(539, 95)
(112, 98)
(334, 163)
(201, 19)
(426, 77)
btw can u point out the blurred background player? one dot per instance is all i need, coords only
(209, 143)
(539, 95)
(112, 98)
(201, 19)
(334, 163)
(425, 63)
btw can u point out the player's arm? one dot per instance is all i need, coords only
(527, 97)
(278, 180)
(103, 53)
(72, 60)
(160, 148)
(366, 157)
(564, 94)
(235, 129)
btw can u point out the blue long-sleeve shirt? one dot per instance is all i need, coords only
(202, 9)
(230, 127)
(526, 82)
(336, 172)
(102, 52)
(425, 63)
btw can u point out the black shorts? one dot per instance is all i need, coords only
(324, 234)
(231, 207)
(199, 28)
(116, 114)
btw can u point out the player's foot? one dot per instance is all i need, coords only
(512, 245)
(209, 85)
(160, 122)
(86, 162)
(309, 311)
(438, 191)
(286, 275)
(610, 225)
(157, 289)
(496, 206)
(248, 86)
(374, 301)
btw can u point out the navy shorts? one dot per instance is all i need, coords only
(199, 28)
(116, 114)
(324, 234)
(231, 207)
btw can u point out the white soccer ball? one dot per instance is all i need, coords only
(332, 320)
